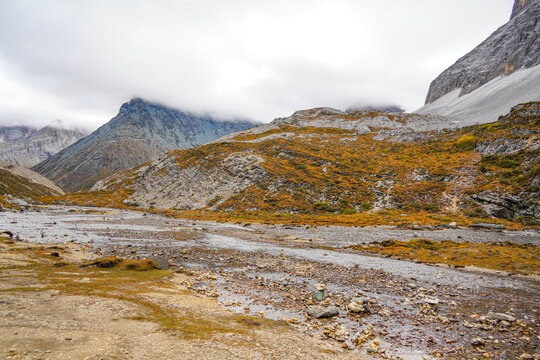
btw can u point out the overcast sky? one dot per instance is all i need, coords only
(78, 61)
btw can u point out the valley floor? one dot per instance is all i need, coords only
(242, 290)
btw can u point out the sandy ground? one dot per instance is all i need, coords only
(39, 321)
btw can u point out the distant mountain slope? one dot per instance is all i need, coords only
(17, 182)
(139, 133)
(324, 160)
(27, 146)
(491, 100)
(513, 46)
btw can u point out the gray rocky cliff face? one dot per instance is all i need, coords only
(525, 203)
(519, 5)
(245, 170)
(164, 184)
(26, 146)
(513, 46)
(138, 134)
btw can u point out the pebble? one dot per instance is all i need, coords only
(505, 324)
(478, 342)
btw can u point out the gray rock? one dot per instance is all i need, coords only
(433, 303)
(478, 342)
(26, 146)
(361, 304)
(378, 108)
(356, 307)
(164, 184)
(525, 203)
(501, 317)
(130, 202)
(505, 324)
(139, 133)
(318, 312)
(504, 146)
(404, 126)
(511, 47)
(487, 226)
(342, 333)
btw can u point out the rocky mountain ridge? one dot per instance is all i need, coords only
(139, 133)
(388, 125)
(27, 146)
(513, 46)
(312, 162)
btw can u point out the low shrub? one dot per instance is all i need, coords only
(105, 262)
(366, 206)
(528, 220)
(467, 142)
(127, 264)
(322, 206)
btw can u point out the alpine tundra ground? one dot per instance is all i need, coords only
(247, 290)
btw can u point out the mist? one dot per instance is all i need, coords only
(79, 61)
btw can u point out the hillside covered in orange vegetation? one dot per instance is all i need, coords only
(346, 166)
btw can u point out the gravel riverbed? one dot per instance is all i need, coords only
(410, 310)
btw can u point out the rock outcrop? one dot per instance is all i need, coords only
(165, 183)
(139, 133)
(523, 145)
(513, 46)
(26, 146)
(506, 206)
(323, 160)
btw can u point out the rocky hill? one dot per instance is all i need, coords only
(501, 72)
(27, 146)
(139, 133)
(18, 185)
(325, 161)
(513, 46)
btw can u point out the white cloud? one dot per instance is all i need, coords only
(79, 60)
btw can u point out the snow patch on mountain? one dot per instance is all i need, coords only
(490, 101)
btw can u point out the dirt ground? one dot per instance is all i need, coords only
(234, 290)
(62, 311)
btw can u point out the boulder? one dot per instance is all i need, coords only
(487, 226)
(501, 317)
(318, 312)
(128, 202)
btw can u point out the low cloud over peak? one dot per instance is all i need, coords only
(79, 61)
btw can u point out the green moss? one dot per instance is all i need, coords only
(20, 289)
